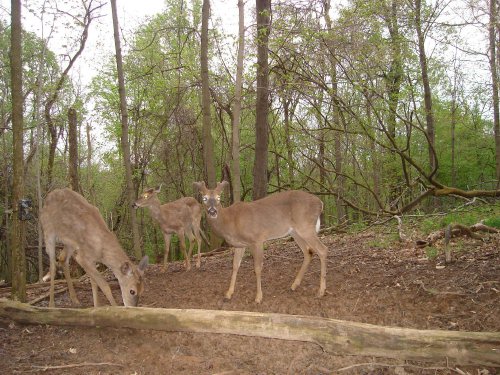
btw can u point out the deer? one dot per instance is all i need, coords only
(181, 217)
(293, 213)
(68, 218)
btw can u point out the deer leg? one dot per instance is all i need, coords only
(190, 236)
(96, 278)
(50, 248)
(307, 259)
(258, 262)
(65, 256)
(95, 296)
(166, 237)
(238, 255)
(182, 242)
(196, 231)
(322, 252)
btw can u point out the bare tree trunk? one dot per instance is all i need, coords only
(454, 109)
(260, 180)
(6, 255)
(429, 115)
(337, 136)
(89, 166)
(18, 257)
(54, 134)
(125, 136)
(237, 103)
(39, 144)
(208, 143)
(73, 150)
(288, 144)
(494, 84)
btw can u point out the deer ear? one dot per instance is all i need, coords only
(200, 186)
(143, 263)
(126, 269)
(221, 185)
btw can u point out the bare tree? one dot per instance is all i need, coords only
(125, 137)
(89, 15)
(263, 9)
(494, 82)
(429, 115)
(339, 160)
(208, 143)
(73, 150)
(18, 266)
(237, 103)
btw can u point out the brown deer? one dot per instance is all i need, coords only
(249, 224)
(68, 218)
(182, 217)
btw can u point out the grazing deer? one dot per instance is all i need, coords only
(68, 218)
(182, 217)
(250, 224)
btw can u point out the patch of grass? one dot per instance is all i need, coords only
(356, 227)
(490, 213)
(493, 222)
(380, 242)
(431, 252)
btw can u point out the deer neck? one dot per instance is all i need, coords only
(155, 209)
(114, 256)
(219, 222)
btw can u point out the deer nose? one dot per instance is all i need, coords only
(212, 211)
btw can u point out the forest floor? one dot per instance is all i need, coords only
(372, 278)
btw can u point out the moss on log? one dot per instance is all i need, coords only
(335, 336)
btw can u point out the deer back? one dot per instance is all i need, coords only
(274, 216)
(73, 221)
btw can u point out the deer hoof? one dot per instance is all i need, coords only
(320, 293)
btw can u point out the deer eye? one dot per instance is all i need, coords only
(205, 199)
(218, 198)
(132, 292)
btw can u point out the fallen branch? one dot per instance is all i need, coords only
(73, 365)
(335, 336)
(436, 292)
(219, 250)
(402, 236)
(455, 231)
(46, 295)
(374, 364)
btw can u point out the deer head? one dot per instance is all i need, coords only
(147, 198)
(131, 280)
(211, 198)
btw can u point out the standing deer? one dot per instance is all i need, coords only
(182, 217)
(68, 218)
(250, 224)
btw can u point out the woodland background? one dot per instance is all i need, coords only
(382, 108)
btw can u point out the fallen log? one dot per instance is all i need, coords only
(335, 336)
(456, 230)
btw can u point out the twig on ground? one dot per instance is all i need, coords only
(73, 365)
(42, 297)
(374, 364)
(436, 292)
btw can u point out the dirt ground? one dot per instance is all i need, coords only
(371, 278)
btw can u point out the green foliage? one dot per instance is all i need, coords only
(493, 222)
(488, 213)
(431, 252)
